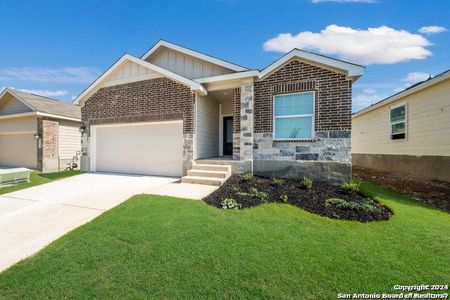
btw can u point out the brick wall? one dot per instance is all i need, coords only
(48, 152)
(333, 95)
(157, 99)
(327, 156)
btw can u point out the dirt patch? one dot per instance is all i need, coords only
(435, 193)
(258, 190)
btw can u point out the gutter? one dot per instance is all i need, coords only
(38, 114)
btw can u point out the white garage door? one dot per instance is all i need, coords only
(18, 150)
(149, 148)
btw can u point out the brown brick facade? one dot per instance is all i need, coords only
(159, 99)
(48, 147)
(333, 95)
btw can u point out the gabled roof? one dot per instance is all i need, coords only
(195, 86)
(406, 92)
(208, 58)
(45, 105)
(352, 71)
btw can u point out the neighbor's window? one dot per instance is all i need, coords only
(293, 116)
(398, 122)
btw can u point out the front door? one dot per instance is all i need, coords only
(227, 135)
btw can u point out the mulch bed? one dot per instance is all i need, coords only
(312, 200)
(433, 192)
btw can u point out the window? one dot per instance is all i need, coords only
(293, 116)
(397, 119)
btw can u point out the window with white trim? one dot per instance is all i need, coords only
(397, 119)
(293, 116)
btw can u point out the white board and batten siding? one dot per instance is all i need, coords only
(428, 125)
(207, 127)
(130, 72)
(186, 65)
(69, 139)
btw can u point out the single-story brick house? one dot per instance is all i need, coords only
(407, 133)
(37, 132)
(174, 107)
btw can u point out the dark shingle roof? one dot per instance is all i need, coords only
(47, 105)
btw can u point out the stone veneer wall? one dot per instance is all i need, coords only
(48, 154)
(236, 124)
(246, 123)
(159, 99)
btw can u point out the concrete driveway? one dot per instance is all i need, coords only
(32, 218)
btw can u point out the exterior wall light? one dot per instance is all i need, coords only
(82, 129)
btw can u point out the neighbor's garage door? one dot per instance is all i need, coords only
(18, 150)
(150, 148)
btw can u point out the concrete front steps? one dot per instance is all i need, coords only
(209, 174)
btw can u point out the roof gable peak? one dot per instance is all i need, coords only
(193, 53)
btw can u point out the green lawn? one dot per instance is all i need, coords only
(161, 247)
(37, 178)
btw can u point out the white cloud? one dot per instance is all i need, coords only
(345, 1)
(62, 75)
(361, 101)
(414, 77)
(432, 29)
(381, 45)
(369, 91)
(47, 93)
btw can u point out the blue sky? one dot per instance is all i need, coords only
(57, 48)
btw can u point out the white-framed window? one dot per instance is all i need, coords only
(397, 120)
(293, 116)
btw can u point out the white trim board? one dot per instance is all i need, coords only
(353, 71)
(195, 86)
(137, 123)
(193, 53)
(404, 93)
(221, 116)
(226, 77)
(39, 114)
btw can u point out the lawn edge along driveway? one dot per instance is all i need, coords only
(38, 178)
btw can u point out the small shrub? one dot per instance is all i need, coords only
(248, 176)
(235, 189)
(277, 181)
(255, 193)
(306, 183)
(263, 196)
(230, 203)
(284, 198)
(351, 187)
(366, 206)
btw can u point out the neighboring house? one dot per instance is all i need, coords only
(162, 113)
(37, 132)
(408, 132)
